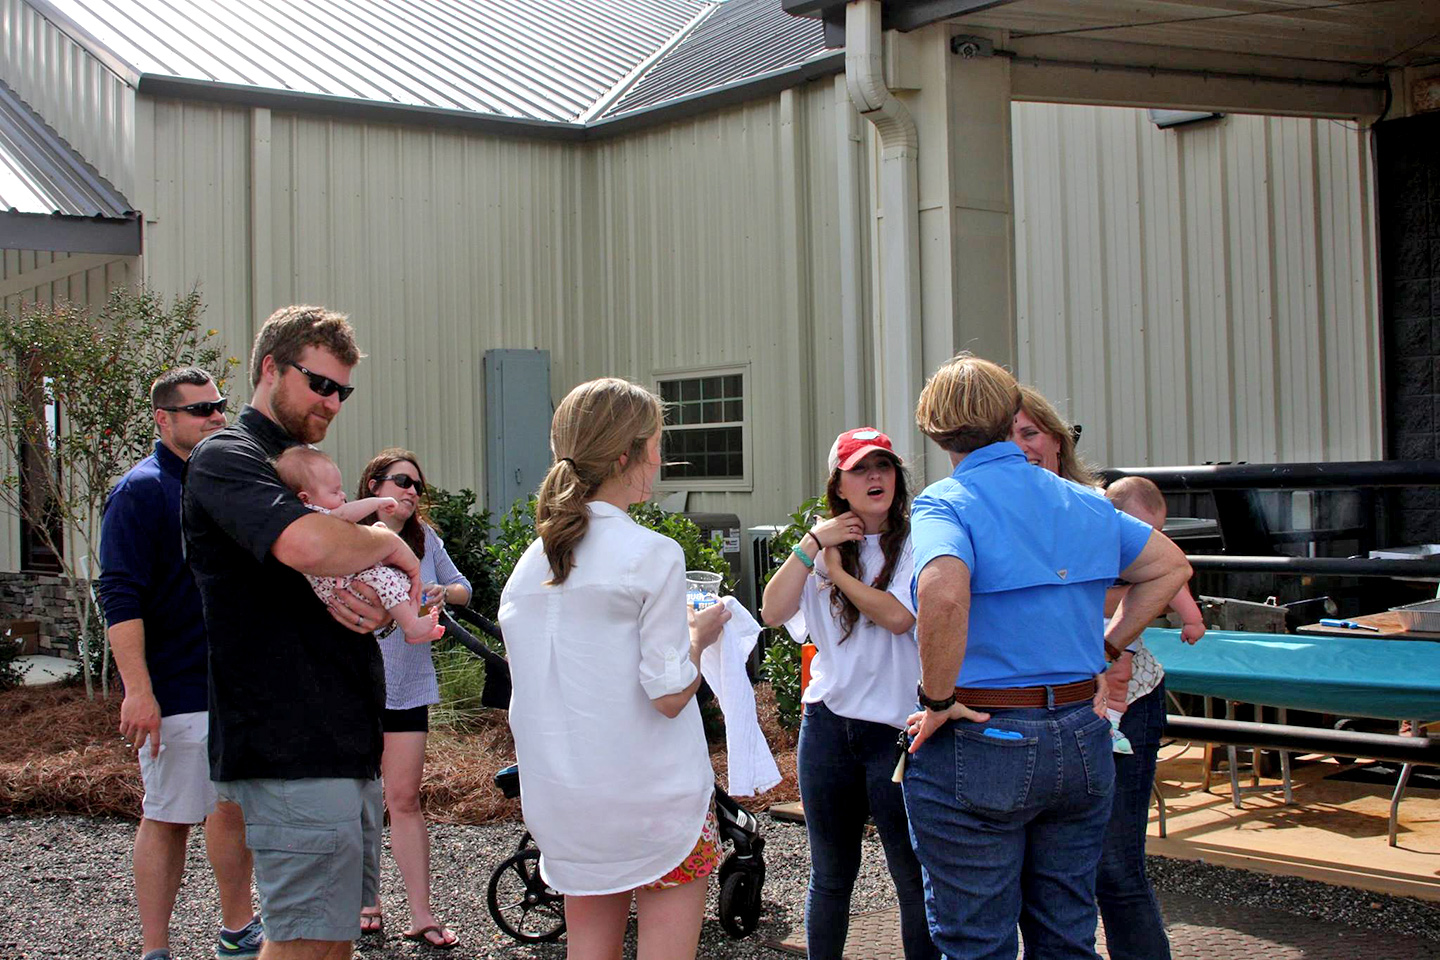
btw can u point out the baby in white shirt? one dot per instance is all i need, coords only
(316, 480)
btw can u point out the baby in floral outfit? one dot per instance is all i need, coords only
(1142, 499)
(317, 482)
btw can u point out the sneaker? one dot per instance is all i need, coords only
(1119, 743)
(245, 942)
(161, 954)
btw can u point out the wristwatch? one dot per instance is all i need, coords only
(929, 704)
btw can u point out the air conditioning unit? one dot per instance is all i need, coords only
(761, 540)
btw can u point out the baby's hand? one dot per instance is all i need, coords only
(1191, 632)
(387, 505)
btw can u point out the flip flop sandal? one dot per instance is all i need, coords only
(372, 924)
(419, 936)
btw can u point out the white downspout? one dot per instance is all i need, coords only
(854, 265)
(896, 346)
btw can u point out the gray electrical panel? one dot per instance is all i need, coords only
(517, 425)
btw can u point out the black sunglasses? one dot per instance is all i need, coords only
(324, 386)
(202, 409)
(402, 480)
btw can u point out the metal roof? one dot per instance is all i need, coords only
(736, 40)
(40, 174)
(547, 60)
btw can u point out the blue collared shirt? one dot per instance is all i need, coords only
(1041, 551)
(143, 577)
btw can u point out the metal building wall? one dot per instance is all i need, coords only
(716, 244)
(1203, 293)
(439, 244)
(702, 242)
(83, 100)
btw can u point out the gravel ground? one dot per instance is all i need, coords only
(65, 891)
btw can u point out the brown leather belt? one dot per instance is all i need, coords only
(1017, 697)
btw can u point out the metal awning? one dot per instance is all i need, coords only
(50, 199)
(1306, 57)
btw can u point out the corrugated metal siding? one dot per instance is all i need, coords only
(1198, 294)
(39, 173)
(81, 99)
(441, 245)
(700, 252)
(543, 59)
(738, 39)
(88, 286)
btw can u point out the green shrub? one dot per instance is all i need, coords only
(466, 532)
(700, 554)
(511, 538)
(10, 675)
(781, 664)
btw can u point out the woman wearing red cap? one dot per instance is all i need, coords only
(846, 587)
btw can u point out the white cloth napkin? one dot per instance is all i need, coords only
(751, 767)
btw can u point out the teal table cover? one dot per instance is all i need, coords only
(1349, 676)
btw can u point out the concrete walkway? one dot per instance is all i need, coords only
(1199, 929)
(38, 669)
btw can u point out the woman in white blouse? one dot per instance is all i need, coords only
(615, 778)
(847, 587)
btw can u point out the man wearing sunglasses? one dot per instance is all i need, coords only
(296, 687)
(157, 632)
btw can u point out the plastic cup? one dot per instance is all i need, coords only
(702, 588)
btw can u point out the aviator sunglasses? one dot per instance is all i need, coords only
(202, 409)
(402, 480)
(324, 386)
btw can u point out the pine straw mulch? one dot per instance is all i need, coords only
(62, 753)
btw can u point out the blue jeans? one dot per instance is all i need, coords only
(1134, 929)
(1008, 817)
(845, 768)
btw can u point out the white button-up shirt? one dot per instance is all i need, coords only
(614, 792)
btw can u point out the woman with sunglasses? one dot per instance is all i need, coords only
(410, 688)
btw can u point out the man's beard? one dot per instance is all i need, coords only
(295, 419)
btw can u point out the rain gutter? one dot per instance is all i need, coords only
(896, 346)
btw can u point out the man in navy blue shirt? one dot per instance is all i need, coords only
(157, 633)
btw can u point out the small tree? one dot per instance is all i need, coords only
(91, 374)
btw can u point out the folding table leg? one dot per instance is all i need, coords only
(1417, 729)
(1395, 801)
(1285, 762)
(1234, 760)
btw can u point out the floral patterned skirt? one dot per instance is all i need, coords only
(698, 863)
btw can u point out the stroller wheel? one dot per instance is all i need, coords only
(740, 898)
(522, 904)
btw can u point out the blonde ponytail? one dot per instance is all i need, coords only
(594, 425)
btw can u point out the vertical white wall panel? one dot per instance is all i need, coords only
(1198, 294)
(87, 104)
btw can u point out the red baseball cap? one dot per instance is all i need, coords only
(852, 446)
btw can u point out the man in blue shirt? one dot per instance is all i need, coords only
(1010, 777)
(157, 633)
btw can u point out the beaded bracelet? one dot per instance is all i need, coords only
(804, 557)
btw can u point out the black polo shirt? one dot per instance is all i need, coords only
(293, 694)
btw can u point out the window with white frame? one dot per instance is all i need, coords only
(706, 423)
